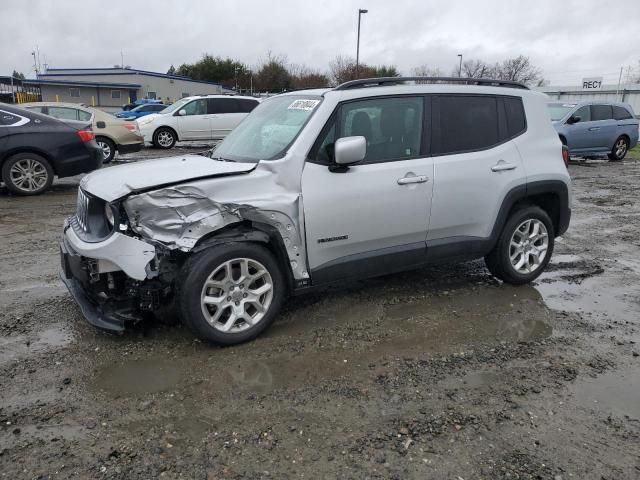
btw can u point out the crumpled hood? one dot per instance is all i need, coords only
(113, 183)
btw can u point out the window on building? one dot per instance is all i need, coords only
(74, 92)
(115, 94)
(467, 122)
(151, 95)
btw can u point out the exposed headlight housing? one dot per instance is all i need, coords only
(108, 213)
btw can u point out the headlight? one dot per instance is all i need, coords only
(144, 121)
(108, 212)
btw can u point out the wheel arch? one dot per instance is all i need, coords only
(623, 135)
(254, 232)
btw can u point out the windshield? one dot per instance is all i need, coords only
(175, 106)
(559, 110)
(268, 131)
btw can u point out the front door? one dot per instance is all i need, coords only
(371, 218)
(195, 124)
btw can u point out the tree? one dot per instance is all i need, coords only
(172, 70)
(518, 69)
(273, 75)
(214, 69)
(477, 69)
(304, 77)
(18, 75)
(426, 71)
(343, 69)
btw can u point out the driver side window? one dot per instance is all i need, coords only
(197, 107)
(584, 113)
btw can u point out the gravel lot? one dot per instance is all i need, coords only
(441, 373)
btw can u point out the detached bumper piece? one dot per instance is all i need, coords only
(107, 301)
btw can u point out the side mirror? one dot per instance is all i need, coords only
(574, 119)
(350, 150)
(182, 113)
(101, 124)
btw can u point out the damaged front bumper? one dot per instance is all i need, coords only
(109, 279)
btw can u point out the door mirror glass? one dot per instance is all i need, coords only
(574, 119)
(350, 150)
(182, 113)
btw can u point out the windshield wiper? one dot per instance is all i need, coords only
(222, 159)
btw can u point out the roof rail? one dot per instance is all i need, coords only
(385, 81)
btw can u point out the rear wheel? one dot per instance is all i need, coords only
(108, 149)
(230, 293)
(620, 149)
(164, 138)
(27, 174)
(524, 247)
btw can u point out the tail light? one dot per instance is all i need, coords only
(132, 127)
(86, 135)
(565, 155)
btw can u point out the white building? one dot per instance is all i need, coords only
(627, 93)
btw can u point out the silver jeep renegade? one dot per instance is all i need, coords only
(372, 177)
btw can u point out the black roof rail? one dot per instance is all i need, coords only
(385, 81)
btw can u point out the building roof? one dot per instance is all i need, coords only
(577, 89)
(74, 83)
(83, 72)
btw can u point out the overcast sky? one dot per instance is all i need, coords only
(568, 39)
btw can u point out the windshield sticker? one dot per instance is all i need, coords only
(303, 105)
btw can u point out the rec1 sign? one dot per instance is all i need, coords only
(594, 83)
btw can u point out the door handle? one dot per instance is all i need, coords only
(594, 128)
(503, 166)
(414, 179)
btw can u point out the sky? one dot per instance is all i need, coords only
(567, 39)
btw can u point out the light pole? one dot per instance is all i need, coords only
(237, 68)
(460, 68)
(360, 12)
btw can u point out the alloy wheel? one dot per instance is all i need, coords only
(621, 148)
(237, 295)
(29, 175)
(106, 149)
(528, 246)
(165, 139)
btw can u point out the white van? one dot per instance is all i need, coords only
(207, 117)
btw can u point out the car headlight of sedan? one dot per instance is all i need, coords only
(108, 213)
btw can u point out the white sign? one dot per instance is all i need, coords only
(593, 83)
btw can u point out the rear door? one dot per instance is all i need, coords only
(603, 127)
(475, 164)
(196, 124)
(226, 114)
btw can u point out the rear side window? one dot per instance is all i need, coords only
(621, 113)
(63, 113)
(84, 116)
(247, 105)
(466, 123)
(516, 122)
(223, 105)
(601, 112)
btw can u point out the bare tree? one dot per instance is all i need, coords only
(477, 69)
(518, 69)
(343, 69)
(425, 71)
(632, 74)
(305, 77)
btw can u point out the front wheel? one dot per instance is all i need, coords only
(524, 247)
(230, 293)
(620, 149)
(164, 138)
(27, 174)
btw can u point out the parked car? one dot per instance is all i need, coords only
(209, 117)
(393, 175)
(112, 134)
(142, 101)
(595, 128)
(34, 148)
(141, 111)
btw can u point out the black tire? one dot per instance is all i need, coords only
(620, 149)
(164, 138)
(498, 260)
(40, 166)
(108, 148)
(191, 282)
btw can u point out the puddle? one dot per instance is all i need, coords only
(616, 393)
(139, 377)
(20, 346)
(474, 380)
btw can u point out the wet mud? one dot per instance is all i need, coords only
(440, 373)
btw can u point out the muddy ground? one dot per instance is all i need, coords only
(442, 373)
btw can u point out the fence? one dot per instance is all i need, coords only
(16, 90)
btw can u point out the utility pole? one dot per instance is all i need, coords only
(360, 12)
(460, 67)
(121, 60)
(619, 80)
